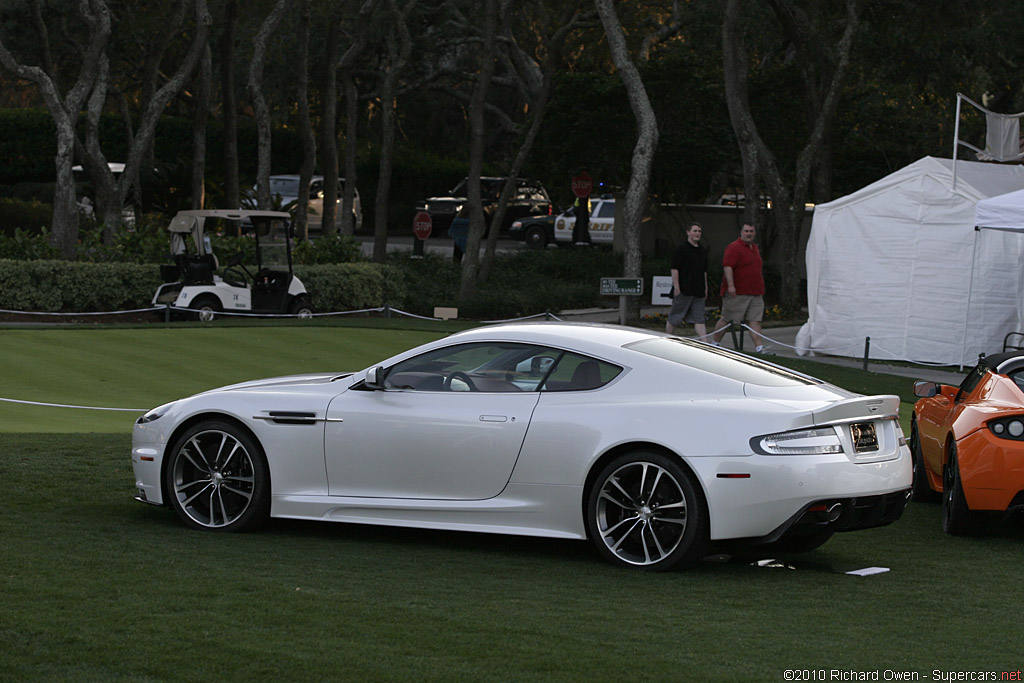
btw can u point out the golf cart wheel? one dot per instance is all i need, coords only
(302, 308)
(206, 308)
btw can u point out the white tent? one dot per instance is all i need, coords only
(900, 261)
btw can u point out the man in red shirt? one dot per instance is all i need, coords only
(742, 287)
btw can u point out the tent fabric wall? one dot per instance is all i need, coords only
(894, 262)
(1004, 212)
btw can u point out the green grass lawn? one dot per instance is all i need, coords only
(96, 587)
(148, 366)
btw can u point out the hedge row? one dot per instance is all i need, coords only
(75, 287)
(67, 286)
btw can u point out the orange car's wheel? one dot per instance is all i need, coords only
(957, 518)
(920, 491)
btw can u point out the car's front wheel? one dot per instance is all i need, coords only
(645, 510)
(217, 478)
(536, 237)
(957, 518)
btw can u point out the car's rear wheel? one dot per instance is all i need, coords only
(957, 518)
(645, 510)
(920, 490)
(217, 478)
(536, 238)
(206, 308)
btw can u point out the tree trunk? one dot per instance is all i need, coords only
(111, 192)
(229, 106)
(329, 124)
(255, 86)
(398, 55)
(305, 128)
(329, 121)
(348, 219)
(823, 92)
(477, 103)
(202, 109)
(643, 151)
(65, 112)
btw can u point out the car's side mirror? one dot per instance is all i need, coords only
(925, 389)
(374, 378)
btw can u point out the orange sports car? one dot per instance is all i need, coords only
(968, 442)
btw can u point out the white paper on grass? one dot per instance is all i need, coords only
(868, 571)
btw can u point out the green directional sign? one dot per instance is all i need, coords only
(623, 286)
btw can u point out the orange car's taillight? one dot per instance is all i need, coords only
(1008, 428)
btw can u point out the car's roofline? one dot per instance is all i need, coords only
(1005, 362)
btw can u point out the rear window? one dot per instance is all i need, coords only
(721, 362)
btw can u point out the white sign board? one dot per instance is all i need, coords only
(661, 290)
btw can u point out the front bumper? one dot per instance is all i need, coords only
(147, 455)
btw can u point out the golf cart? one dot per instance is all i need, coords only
(193, 281)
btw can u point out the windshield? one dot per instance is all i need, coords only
(272, 237)
(721, 362)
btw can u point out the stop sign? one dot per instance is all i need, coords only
(582, 184)
(422, 225)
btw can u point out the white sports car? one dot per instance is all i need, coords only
(652, 446)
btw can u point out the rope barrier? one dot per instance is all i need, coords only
(134, 310)
(65, 405)
(907, 360)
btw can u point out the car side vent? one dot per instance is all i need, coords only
(287, 417)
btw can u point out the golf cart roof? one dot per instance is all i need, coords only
(184, 221)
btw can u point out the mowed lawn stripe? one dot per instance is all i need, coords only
(142, 368)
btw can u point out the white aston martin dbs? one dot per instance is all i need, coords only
(652, 446)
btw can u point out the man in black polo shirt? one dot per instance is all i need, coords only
(689, 283)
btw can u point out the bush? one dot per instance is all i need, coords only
(328, 249)
(31, 216)
(351, 286)
(65, 287)
(27, 246)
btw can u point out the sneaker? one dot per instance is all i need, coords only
(714, 343)
(762, 350)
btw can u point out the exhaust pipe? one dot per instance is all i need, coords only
(834, 511)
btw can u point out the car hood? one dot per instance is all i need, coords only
(286, 381)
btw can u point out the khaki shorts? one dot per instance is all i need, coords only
(749, 307)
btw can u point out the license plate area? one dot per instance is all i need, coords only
(865, 439)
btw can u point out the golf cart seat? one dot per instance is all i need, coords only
(199, 269)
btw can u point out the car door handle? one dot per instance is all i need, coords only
(494, 418)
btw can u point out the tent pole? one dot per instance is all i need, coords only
(970, 290)
(956, 137)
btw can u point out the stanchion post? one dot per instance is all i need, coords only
(167, 313)
(387, 311)
(867, 351)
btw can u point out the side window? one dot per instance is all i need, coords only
(971, 381)
(580, 373)
(483, 367)
(1018, 378)
(607, 210)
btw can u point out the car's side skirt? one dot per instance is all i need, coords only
(522, 509)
